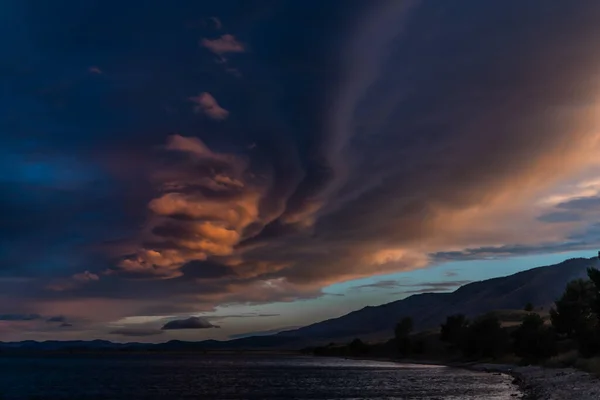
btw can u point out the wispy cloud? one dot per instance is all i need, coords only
(443, 286)
(235, 316)
(75, 281)
(208, 105)
(385, 284)
(223, 45)
(217, 22)
(422, 286)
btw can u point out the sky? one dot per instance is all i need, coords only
(214, 169)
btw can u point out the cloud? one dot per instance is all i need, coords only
(218, 317)
(20, 317)
(591, 203)
(430, 287)
(206, 270)
(574, 209)
(85, 276)
(200, 215)
(189, 323)
(217, 22)
(370, 156)
(385, 284)
(223, 45)
(571, 243)
(208, 105)
(58, 318)
(560, 216)
(424, 286)
(136, 332)
(74, 282)
(66, 325)
(95, 70)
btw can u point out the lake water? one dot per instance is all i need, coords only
(238, 377)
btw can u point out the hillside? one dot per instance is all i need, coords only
(540, 286)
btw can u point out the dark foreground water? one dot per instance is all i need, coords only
(238, 377)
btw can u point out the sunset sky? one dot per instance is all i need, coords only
(223, 168)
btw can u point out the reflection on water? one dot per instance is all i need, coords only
(238, 377)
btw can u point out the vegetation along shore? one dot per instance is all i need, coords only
(552, 354)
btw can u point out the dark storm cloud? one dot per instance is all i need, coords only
(189, 323)
(381, 137)
(206, 270)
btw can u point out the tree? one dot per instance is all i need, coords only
(533, 340)
(589, 343)
(485, 338)
(404, 327)
(594, 275)
(573, 313)
(357, 346)
(454, 330)
(401, 334)
(528, 307)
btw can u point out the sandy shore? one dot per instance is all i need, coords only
(546, 383)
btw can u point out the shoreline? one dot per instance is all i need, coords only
(542, 383)
(535, 382)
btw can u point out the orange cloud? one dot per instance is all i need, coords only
(190, 225)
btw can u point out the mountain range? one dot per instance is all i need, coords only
(540, 286)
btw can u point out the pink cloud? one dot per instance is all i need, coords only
(225, 44)
(207, 104)
(73, 282)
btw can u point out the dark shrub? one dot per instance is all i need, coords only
(533, 340)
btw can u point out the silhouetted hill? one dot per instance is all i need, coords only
(540, 286)
(257, 342)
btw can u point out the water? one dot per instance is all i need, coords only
(238, 377)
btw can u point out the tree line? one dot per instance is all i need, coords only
(574, 324)
(575, 318)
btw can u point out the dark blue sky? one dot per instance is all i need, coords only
(159, 160)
